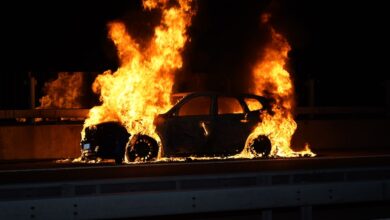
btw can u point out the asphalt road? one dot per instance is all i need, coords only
(66, 170)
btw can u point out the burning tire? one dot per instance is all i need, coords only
(261, 145)
(141, 148)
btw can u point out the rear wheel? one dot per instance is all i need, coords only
(261, 145)
(141, 148)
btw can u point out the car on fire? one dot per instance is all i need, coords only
(199, 124)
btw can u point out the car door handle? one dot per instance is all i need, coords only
(204, 124)
(245, 119)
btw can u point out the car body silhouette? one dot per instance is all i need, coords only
(199, 124)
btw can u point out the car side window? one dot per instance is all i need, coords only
(196, 106)
(253, 104)
(229, 105)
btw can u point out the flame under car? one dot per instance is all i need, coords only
(199, 124)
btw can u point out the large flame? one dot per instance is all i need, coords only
(271, 79)
(141, 87)
(63, 92)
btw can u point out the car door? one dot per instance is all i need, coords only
(190, 126)
(231, 126)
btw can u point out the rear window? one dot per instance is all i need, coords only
(229, 105)
(196, 106)
(253, 104)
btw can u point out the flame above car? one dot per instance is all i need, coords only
(141, 87)
(271, 79)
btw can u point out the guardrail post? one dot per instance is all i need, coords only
(33, 83)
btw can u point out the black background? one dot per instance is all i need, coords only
(342, 45)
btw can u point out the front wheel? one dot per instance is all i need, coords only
(141, 148)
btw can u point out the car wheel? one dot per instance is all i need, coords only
(261, 145)
(141, 148)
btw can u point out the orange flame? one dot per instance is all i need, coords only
(64, 92)
(273, 80)
(141, 87)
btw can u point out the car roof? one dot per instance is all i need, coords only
(209, 93)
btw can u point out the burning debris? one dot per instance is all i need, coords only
(63, 92)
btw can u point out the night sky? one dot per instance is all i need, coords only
(340, 45)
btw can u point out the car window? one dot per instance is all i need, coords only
(176, 98)
(229, 105)
(253, 104)
(196, 106)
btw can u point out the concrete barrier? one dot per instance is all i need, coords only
(39, 142)
(62, 141)
(343, 134)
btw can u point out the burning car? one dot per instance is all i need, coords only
(199, 124)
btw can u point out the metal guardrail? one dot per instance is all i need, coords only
(44, 113)
(173, 195)
(82, 113)
(339, 110)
